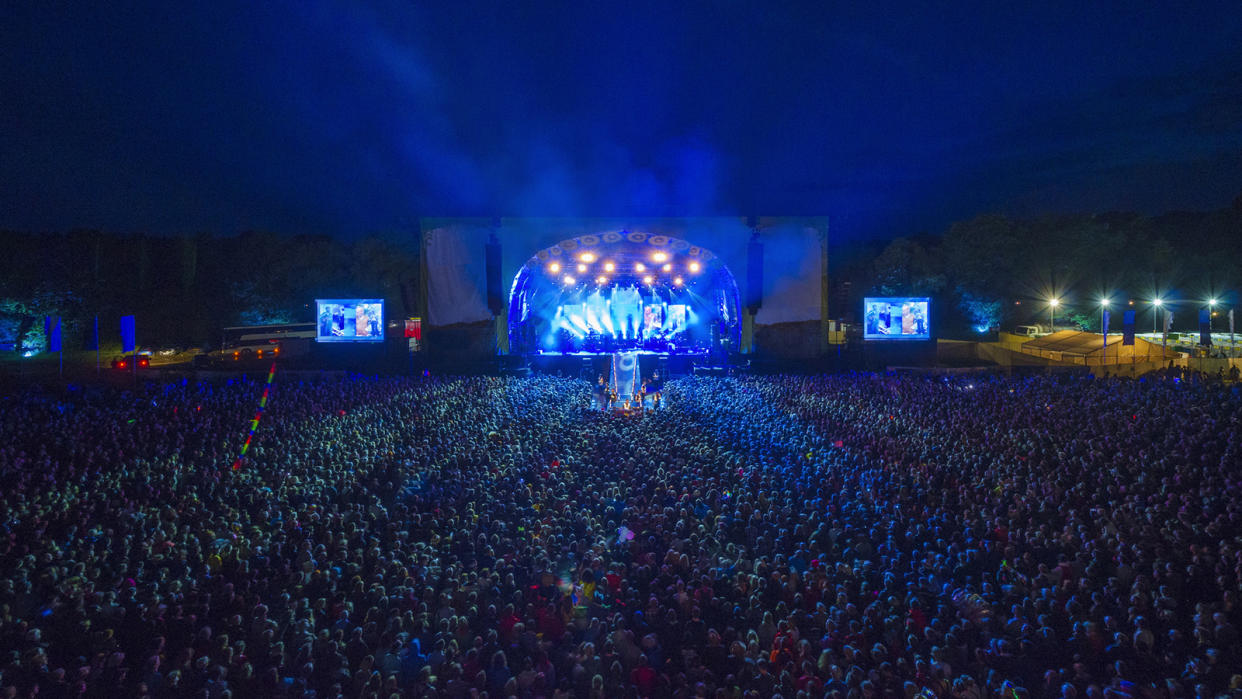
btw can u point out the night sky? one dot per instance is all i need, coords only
(329, 117)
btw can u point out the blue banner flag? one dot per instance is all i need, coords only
(51, 329)
(1127, 328)
(127, 333)
(1205, 327)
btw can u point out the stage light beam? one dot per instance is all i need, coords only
(648, 280)
(601, 280)
(554, 268)
(677, 281)
(694, 268)
(640, 267)
(587, 257)
(660, 256)
(668, 268)
(569, 280)
(582, 268)
(609, 267)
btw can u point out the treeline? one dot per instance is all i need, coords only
(998, 271)
(990, 271)
(184, 289)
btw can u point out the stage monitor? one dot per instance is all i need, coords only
(896, 319)
(350, 320)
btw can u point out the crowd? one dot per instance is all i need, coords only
(855, 536)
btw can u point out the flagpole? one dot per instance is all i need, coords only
(1232, 350)
(1104, 329)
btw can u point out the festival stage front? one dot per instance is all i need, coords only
(688, 290)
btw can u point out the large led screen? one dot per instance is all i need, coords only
(896, 319)
(350, 320)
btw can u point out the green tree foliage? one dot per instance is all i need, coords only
(994, 269)
(907, 268)
(184, 289)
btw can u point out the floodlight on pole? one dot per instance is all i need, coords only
(1052, 314)
(1156, 303)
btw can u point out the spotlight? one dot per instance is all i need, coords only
(587, 257)
(668, 268)
(554, 268)
(660, 256)
(601, 280)
(1054, 302)
(1157, 302)
(1104, 303)
(648, 279)
(568, 280)
(694, 267)
(608, 266)
(677, 281)
(640, 267)
(581, 268)
(1211, 302)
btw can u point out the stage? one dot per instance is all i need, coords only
(618, 406)
(591, 366)
(644, 353)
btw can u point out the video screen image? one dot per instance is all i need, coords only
(653, 318)
(350, 320)
(896, 319)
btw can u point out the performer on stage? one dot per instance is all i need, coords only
(655, 388)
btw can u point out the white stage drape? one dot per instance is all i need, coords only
(625, 376)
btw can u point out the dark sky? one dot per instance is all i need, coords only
(315, 116)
